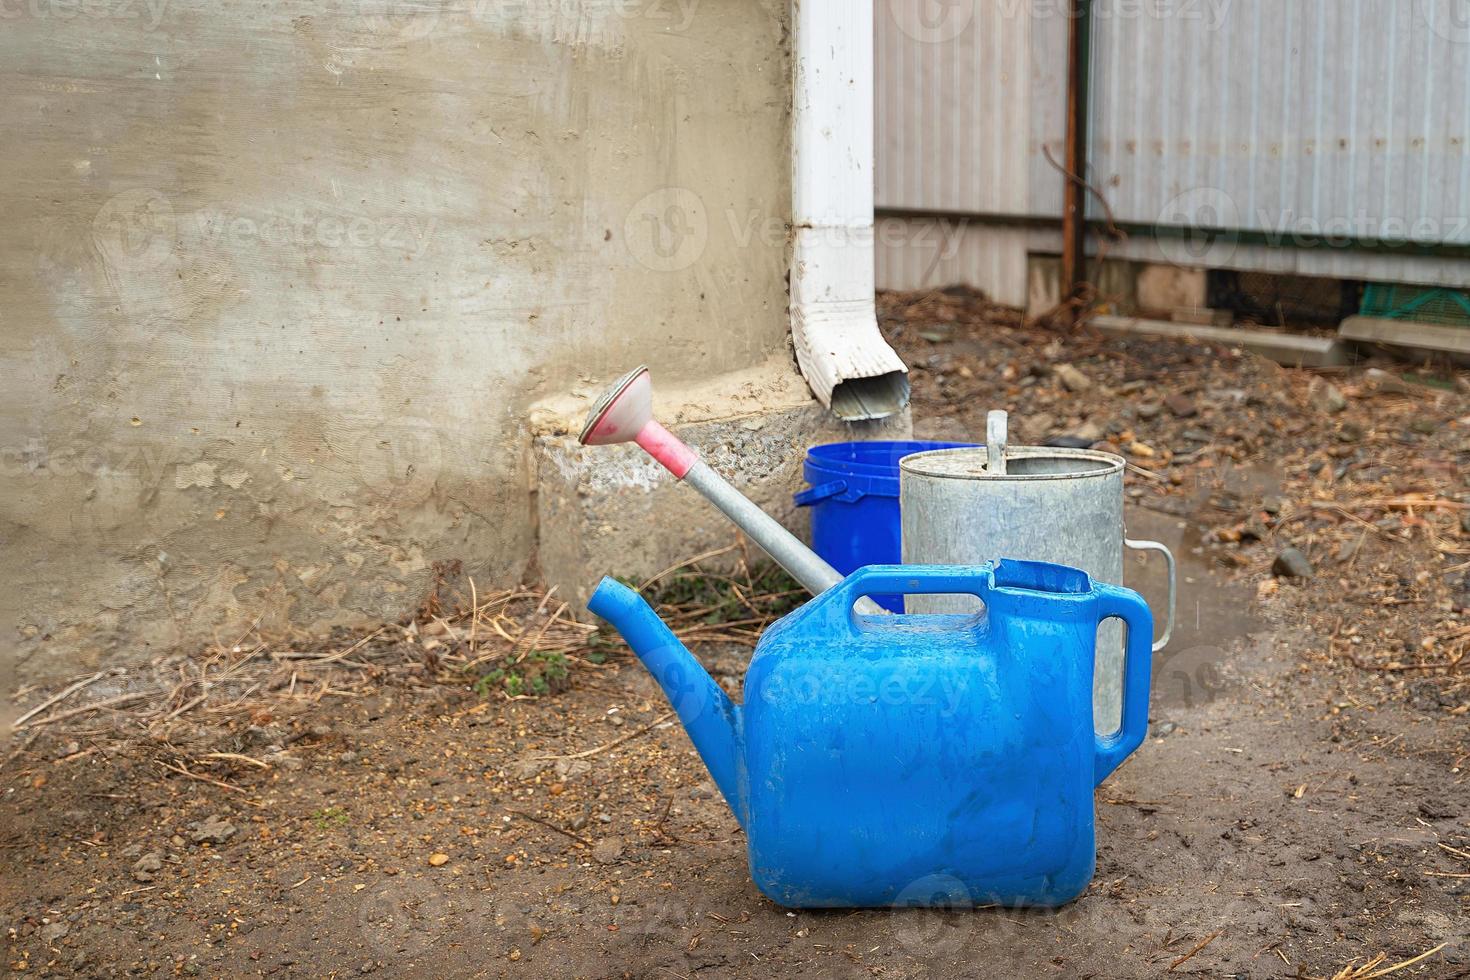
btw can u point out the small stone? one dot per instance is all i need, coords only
(1069, 442)
(1348, 550)
(1039, 425)
(1253, 530)
(1380, 380)
(1425, 427)
(212, 831)
(1071, 378)
(54, 931)
(1165, 728)
(1350, 432)
(1149, 410)
(1273, 505)
(1196, 435)
(604, 818)
(607, 850)
(348, 757)
(438, 859)
(1291, 563)
(515, 954)
(1325, 397)
(1437, 809)
(1181, 405)
(144, 867)
(1465, 521)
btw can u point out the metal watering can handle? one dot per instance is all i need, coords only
(1162, 641)
(1128, 606)
(995, 442)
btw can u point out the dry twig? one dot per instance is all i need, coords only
(588, 753)
(1197, 948)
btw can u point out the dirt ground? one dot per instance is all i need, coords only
(1300, 808)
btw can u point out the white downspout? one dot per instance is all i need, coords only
(834, 325)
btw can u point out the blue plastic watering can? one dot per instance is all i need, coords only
(913, 760)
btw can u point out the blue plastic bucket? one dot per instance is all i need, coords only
(853, 494)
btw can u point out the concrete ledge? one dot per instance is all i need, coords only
(1292, 350)
(610, 510)
(1406, 333)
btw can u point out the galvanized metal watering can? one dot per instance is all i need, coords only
(1032, 502)
(875, 756)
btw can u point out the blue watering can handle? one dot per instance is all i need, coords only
(976, 580)
(1137, 663)
(817, 494)
(911, 580)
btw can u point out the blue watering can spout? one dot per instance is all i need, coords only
(707, 714)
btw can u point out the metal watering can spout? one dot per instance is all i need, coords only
(624, 413)
(708, 715)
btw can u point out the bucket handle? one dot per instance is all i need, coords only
(824, 491)
(1124, 604)
(1162, 641)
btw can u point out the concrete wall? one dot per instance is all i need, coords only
(281, 283)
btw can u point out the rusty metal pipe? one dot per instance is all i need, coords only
(1074, 191)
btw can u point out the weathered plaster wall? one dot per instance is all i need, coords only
(281, 282)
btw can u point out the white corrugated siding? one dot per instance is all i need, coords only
(1350, 117)
(922, 253)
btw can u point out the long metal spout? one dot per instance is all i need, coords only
(708, 715)
(624, 413)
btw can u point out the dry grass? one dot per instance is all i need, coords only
(1374, 967)
(457, 636)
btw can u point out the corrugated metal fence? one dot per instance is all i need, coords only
(1338, 128)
